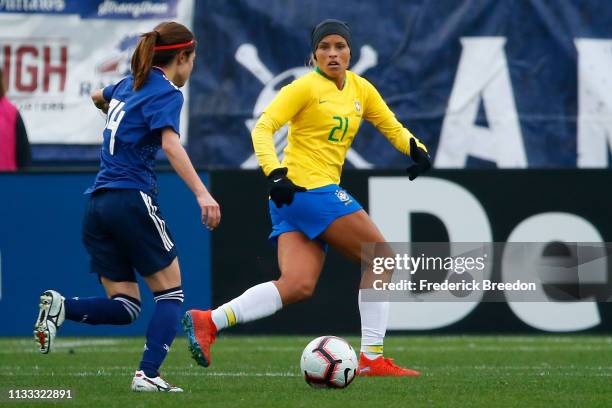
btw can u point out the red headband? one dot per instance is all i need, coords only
(173, 46)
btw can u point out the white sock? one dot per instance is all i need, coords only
(259, 301)
(374, 318)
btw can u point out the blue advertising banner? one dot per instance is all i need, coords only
(107, 9)
(40, 248)
(486, 84)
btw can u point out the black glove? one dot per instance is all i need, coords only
(281, 188)
(421, 159)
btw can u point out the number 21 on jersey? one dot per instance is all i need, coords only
(115, 115)
(342, 123)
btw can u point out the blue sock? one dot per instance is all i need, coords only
(120, 309)
(162, 329)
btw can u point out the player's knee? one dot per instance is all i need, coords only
(303, 291)
(294, 290)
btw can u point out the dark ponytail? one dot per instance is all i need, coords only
(142, 60)
(165, 34)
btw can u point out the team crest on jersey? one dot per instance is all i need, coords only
(344, 197)
(247, 56)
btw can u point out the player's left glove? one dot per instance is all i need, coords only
(421, 159)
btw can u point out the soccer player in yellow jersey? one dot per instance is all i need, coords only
(309, 210)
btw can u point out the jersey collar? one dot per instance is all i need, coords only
(318, 71)
(158, 68)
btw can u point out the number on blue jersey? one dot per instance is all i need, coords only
(115, 115)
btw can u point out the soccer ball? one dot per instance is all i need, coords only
(329, 362)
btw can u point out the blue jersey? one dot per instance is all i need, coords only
(132, 135)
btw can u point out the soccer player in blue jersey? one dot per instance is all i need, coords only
(123, 228)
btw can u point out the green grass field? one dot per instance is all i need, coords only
(474, 371)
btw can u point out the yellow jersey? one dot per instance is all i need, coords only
(323, 121)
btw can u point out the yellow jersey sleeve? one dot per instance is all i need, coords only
(378, 113)
(287, 104)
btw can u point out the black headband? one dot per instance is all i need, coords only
(328, 27)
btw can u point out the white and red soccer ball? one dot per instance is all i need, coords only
(329, 362)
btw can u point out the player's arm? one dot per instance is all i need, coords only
(97, 97)
(162, 113)
(378, 113)
(178, 158)
(289, 102)
(382, 117)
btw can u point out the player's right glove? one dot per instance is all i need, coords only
(281, 188)
(421, 159)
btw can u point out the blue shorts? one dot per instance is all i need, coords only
(312, 211)
(123, 231)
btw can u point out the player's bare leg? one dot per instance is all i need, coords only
(347, 234)
(113, 288)
(300, 261)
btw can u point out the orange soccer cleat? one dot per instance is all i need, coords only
(383, 367)
(201, 334)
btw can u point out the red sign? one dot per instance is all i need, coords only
(34, 66)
